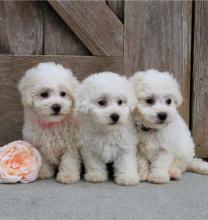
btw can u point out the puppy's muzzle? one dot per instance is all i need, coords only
(162, 116)
(56, 108)
(114, 117)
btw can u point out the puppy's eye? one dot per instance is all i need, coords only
(44, 94)
(62, 94)
(150, 101)
(102, 102)
(168, 101)
(120, 102)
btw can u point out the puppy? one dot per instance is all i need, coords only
(106, 133)
(166, 147)
(47, 96)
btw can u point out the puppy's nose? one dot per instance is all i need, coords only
(114, 117)
(56, 108)
(162, 116)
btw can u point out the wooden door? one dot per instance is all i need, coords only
(93, 36)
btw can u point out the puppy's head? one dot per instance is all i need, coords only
(106, 98)
(158, 96)
(48, 89)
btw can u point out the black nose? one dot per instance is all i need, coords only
(114, 117)
(56, 108)
(162, 116)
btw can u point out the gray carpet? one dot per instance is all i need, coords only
(46, 199)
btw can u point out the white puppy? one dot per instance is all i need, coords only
(47, 96)
(166, 147)
(106, 134)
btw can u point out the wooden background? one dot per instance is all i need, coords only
(91, 36)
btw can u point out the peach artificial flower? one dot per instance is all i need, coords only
(19, 162)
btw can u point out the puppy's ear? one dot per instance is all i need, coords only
(137, 81)
(73, 83)
(24, 87)
(132, 103)
(81, 101)
(177, 96)
(132, 100)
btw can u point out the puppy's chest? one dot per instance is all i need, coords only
(53, 143)
(107, 147)
(150, 144)
(107, 151)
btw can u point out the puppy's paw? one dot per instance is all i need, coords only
(46, 172)
(143, 174)
(67, 178)
(96, 177)
(175, 173)
(127, 179)
(159, 177)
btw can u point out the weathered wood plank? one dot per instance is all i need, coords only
(21, 27)
(200, 79)
(117, 6)
(94, 23)
(13, 67)
(58, 38)
(158, 35)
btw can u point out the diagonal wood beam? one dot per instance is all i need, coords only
(94, 23)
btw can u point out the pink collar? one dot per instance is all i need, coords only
(48, 124)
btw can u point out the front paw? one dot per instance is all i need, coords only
(159, 177)
(143, 174)
(67, 178)
(46, 172)
(96, 177)
(127, 179)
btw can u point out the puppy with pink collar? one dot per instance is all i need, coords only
(47, 96)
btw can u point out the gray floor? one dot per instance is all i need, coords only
(185, 199)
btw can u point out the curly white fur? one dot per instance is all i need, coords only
(166, 147)
(102, 140)
(52, 134)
